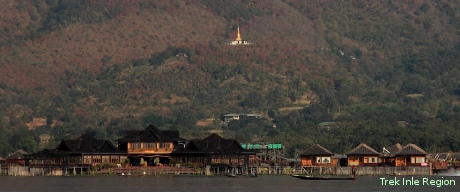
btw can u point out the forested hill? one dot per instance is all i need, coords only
(385, 72)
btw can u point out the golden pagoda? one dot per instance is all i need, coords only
(239, 40)
(238, 35)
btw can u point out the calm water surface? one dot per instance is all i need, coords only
(219, 183)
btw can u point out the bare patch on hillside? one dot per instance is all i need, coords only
(283, 109)
(38, 122)
(414, 95)
(204, 122)
(173, 99)
(303, 101)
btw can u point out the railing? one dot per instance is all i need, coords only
(154, 151)
(366, 170)
(262, 170)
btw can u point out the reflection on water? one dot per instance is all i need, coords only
(450, 172)
(218, 183)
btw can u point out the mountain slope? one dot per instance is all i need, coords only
(109, 65)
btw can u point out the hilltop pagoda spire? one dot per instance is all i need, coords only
(239, 40)
(238, 35)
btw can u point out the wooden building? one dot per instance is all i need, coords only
(363, 155)
(16, 158)
(84, 150)
(216, 152)
(388, 154)
(82, 153)
(317, 155)
(150, 147)
(411, 155)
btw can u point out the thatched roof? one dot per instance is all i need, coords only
(363, 149)
(411, 149)
(395, 148)
(19, 154)
(315, 150)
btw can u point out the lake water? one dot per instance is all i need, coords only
(222, 183)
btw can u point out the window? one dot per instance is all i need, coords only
(87, 159)
(105, 159)
(164, 145)
(96, 159)
(372, 159)
(123, 159)
(135, 145)
(114, 159)
(420, 160)
(149, 145)
(326, 159)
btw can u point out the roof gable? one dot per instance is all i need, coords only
(316, 150)
(19, 154)
(87, 144)
(411, 149)
(151, 134)
(214, 143)
(363, 149)
(395, 148)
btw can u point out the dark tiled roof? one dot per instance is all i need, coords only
(411, 149)
(87, 144)
(131, 133)
(363, 149)
(19, 154)
(395, 148)
(214, 143)
(316, 150)
(151, 134)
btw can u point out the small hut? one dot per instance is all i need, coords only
(363, 155)
(317, 155)
(16, 158)
(411, 155)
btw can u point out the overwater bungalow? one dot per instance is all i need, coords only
(79, 154)
(16, 158)
(317, 155)
(219, 154)
(150, 147)
(363, 155)
(411, 155)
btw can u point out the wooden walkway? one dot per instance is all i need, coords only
(366, 170)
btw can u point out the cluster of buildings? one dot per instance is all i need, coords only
(397, 159)
(363, 155)
(153, 147)
(148, 147)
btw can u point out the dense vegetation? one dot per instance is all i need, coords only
(383, 71)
